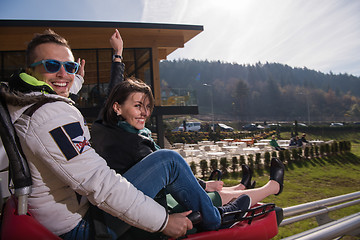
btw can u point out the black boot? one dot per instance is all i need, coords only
(253, 184)
(242, 203)
(277, 170)
(216, 173)
(246, 177)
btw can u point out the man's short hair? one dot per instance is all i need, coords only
(49, 36)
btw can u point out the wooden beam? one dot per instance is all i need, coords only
(156, 76)
(162, 53)
(16, 38)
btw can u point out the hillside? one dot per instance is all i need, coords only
(269, 91)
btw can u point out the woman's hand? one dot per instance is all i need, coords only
(81, 70)
(214, 186)
(178, 225)
(116, 43)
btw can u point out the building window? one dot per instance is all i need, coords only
(98, 67)
(11, 62)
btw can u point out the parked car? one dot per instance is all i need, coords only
(300, 124)
(178, 129)
(225, 128)
(190, 127)
(336, 124)
(251, 127)
(273, 125)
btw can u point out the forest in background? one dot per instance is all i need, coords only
(265, 91)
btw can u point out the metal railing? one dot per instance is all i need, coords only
(328, 228)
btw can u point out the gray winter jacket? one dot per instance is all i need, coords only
(67, 173)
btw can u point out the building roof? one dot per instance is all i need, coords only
(14, 34)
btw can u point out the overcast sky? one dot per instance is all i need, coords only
(323, 35)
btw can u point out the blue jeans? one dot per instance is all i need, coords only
(166, 168)
(82, 231)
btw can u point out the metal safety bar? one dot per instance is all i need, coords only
(328, 228)
(325, 210)
(331, 230)
(310, 206)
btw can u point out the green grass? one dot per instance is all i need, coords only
(315, 180)
(355, 148)
(319, 178)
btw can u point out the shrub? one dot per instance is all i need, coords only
(213, 164)
(347, 146)
(258, 160)
(306, 152)
(224, 164)
(322, 150)
(327, 149)
(311, 152)
(251, 161)
(295, 154)
(242, 159)
(193, 167)
(287, 155)
(267, 159)
(334, 148)
(300, 152)
(341, 146)
(234, 164)
(317, 150)
(203, 167)
(282, 156)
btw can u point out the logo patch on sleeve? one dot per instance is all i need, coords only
(70, 139)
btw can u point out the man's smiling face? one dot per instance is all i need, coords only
(60, 81)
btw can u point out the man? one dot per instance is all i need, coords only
(275, 144)
(303, 139)
(67, 173)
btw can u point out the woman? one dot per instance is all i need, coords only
(121, 138)
(117, 76)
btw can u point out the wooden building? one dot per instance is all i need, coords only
(145, 44)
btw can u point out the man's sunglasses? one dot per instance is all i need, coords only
(53, 66)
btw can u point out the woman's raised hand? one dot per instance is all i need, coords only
(116, 43)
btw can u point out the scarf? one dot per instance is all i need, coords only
(143, 132)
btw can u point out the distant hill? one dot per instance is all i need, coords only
(269, 91)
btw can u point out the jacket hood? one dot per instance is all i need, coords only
(20, 99)
(25, 83)
(23, 89)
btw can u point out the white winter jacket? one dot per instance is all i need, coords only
(67, 173)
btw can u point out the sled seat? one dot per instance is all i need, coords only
(259, 223)
(19, 227)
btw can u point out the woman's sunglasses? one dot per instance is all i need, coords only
(53, 66)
